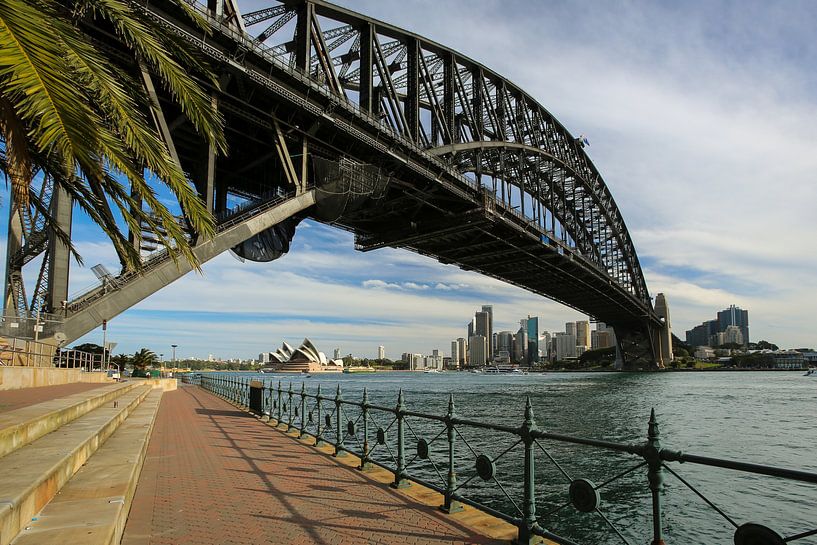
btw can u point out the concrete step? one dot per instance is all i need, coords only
(92, 508)
(22, 426)
(32, 475)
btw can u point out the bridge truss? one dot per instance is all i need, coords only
(471, 170)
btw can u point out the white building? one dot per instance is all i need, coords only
(565, 346)
(381, 352)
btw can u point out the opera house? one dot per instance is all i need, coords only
(304, 359)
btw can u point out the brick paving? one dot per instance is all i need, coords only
(16, 399)
(216, 475)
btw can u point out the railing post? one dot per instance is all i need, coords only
(303, 409)
(278, 418)
(451, 505)
(655, 475)
(289, 407)
(400, 480)
(528, 522)
(338, 426)
(365, 464)
(319, 434)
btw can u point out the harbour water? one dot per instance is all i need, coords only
(759, 417)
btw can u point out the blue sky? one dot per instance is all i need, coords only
(701, 120)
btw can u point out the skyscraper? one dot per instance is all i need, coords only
(478, 351)
(735, 316)
(455, 354)
(504, 341)
(482, 321)
(570, 328)
(533, 340)
(583, 333)
(381, 352)
(489, 332)
(462, 351)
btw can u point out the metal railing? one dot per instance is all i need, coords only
(395, 438)
(18, 352)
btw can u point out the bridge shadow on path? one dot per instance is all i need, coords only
(216, 475)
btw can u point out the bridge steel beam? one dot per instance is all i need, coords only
(474, 114)
(116, 301)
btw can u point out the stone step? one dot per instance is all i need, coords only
(32, 475)
(92, 508)
(22, 426)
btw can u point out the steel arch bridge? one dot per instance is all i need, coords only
(403, 141)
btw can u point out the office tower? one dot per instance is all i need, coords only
(478, 351)
(381, 352)
(733, 335)
(337, 354)
(737, 317)
(583, 333)
(533, 340)
(462, 351)
(570, 328)
(481, 320)
(701, 335)
(520, 353)
(455, 354)
(544, 344)
(504, 341)
(565, 346)
(489, 331)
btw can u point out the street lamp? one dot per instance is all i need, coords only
(173, 346)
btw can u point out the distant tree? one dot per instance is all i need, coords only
(680, 352)
(731, 346)
(599, 357)
(143, 359)
(121, 361)
(766, 345)
(89, 347)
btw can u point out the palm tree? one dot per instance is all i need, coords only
(68, 112)
(144, 358)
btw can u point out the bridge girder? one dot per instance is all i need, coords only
(453, 137)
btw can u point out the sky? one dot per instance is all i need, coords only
(701, 119)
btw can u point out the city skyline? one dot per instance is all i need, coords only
(681, 131)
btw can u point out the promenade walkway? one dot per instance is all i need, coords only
(11, 400)
(216, 475)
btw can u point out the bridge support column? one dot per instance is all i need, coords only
(60, 256)
(14, 273)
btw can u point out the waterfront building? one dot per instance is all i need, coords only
(337, 354)
(381, 352)
(455, 355)
(583, 333)
(570, 328)
(521, 343)
(462, 351)
(478, 351)
(565, 346)
(600, 339)
(489, 330)
(706, 334)
(700, 335)
(732, 335)
(482, 322)
(737, 317)
(533, 340)
(704, 353)
(471, 326)
(414, 361)
(504, 341)
(544, 345)
(306, 358)
(434, 361)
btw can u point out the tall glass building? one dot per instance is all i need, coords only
(533, 340)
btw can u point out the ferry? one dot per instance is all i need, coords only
(811, 373)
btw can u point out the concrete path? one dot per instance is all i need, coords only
(215, 475)
(15, 399)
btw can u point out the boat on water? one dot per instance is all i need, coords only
(432, 371)
(361, 369)
(811, 373)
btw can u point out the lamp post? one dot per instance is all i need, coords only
(173, 346)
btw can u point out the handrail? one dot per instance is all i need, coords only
(297, 409)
